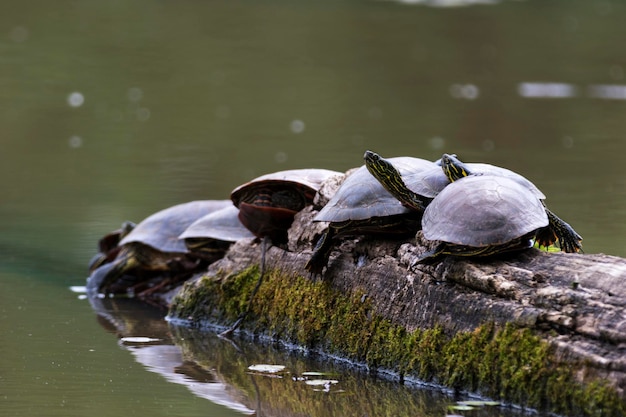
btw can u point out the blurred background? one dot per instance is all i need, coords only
(112, 110)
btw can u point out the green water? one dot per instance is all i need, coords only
(112, 110)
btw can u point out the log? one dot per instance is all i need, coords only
(552, 324)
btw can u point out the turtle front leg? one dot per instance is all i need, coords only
(321, 252)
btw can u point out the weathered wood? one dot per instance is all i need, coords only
(577, 302)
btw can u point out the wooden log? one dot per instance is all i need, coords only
(573, 303)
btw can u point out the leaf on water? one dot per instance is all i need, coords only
(265, 368)
(139, 339)
(321, 382)
(461, 407)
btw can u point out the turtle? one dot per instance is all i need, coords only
(453, 169)
(423, 185)
(482, 215)
(210, 236)
(268, 204)
(108, 245)
(362, 206)
(557, 230)
(411, 192)
(153, 245)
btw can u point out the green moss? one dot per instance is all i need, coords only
(509, 364)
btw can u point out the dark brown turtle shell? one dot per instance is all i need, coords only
(268, 203)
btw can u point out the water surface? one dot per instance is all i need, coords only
(110, 111)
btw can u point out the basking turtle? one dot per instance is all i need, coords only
(557, 229)
(210, 236)
(268, 204)
(153, 245)
(363, 206)
(108, 245)
(453, 169)
(482, 215)
(411, 189)
(423, 185)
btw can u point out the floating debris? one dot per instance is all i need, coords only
(265, 368)
(139, 339)
(325, 382)
(314, 373)
(461, 407)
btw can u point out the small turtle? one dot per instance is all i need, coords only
(108, 245)
(363, 206)
(482, 215)
(268, 204)
(210, 236)
(153, 245)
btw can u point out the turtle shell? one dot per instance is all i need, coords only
(477, 168)
(362, 197)
(223, 224)
(307, 181)
(268, 204)
(429, 183)
(161, 230)
(488, 169)
(483, 210)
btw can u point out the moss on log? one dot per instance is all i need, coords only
(545, 330)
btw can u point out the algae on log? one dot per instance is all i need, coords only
(546, 330)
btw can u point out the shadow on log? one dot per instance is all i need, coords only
(545, 330)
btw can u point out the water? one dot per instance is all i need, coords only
(110, 111)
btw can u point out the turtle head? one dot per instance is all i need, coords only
(454, 168)
(389, 177)
(379, 167)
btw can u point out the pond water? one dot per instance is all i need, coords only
(110, 111)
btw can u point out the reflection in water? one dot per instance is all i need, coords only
(610, 92)
(144, 333)
(258, 379)
(167, 360)
(564, 90)
(546, 90)
(448, 3)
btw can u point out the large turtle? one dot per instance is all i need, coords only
(482, 215)
(153, 245)
(268, 204)
(210, 236)
(363, 206)
(557, 230)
